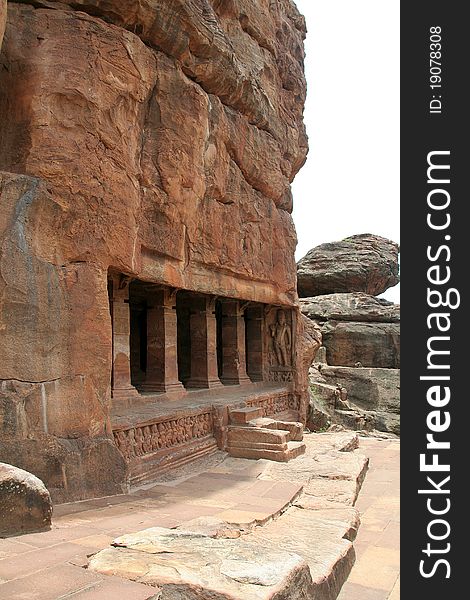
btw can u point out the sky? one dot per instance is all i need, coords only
(350, 182)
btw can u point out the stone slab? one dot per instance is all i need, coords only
(294, 428)
(256, 434)
(194, 566)
(293, 450)
(241, 416)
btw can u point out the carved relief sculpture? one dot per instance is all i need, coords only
(282, 339)
(143, 440)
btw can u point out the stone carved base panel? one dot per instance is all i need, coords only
(276, 404)
(149, 467)
(152, 448)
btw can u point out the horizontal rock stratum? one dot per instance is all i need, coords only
(356, 306)
(360, 263)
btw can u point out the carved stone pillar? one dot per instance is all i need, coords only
(255, 351)
(162, 358)
(203, 331)
(120, 316)
(233, 344)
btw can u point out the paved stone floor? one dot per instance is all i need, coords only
(48, 565)
(376, 573)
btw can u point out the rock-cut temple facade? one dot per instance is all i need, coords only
(147, 273)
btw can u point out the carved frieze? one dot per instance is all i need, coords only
(279, 403)
(147, 439)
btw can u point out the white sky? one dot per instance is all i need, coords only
(350, 182)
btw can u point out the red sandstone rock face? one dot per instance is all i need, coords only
(151, 154)
(361, 263)
(158, 139)
(309, 340)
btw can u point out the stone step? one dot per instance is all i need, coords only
(283, 454)
(240, 435)
(295, 429)
(241, 416)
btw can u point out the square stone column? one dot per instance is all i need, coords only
(233, 344)
(120, 317)
(203, 330)
(162, 357)
(255, 350)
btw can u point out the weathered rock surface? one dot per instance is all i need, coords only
(356, 306)
(194, 566)
(3, 19)
(360, 331)
(309, 340)
(157, 139)
(220, 160)
(376, 392)
(370, 344)
(360, 263)
(323, 544)
(25, 503)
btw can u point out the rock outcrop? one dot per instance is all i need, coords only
(151, 140)
(356, 306)
(25, 503)
(309, 341)
(370, 344)
(355, 381)
(360, 263)
(372, 398)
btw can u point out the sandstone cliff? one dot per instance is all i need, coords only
(156, 138)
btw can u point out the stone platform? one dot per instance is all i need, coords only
(306, 508)
(158, 432)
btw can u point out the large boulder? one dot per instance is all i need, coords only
(356, 306)
(361, 263)
(25, 503)
(370, 344)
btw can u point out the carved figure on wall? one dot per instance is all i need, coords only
(139, 442)
(341, 398)
(155, 437)
(282, 339)
(147, 442)
(131, 438)
(122, 442)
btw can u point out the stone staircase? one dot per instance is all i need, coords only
(251, 435)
